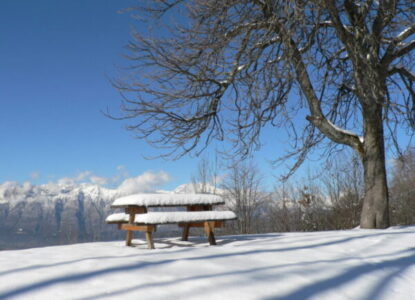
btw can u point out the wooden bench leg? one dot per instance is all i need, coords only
(149, 238)
(209, 232)
(185, 233)
(130, 232)
(129, 237)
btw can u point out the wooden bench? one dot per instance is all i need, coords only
(147, 222)
(198, 213)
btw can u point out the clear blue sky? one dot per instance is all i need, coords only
(55, 60)
(56, 56)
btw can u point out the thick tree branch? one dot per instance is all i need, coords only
(392, 53)
(317, 117)
(404, 34)
(385, 14)
(403, 49)
(337, 23)
(402, 71)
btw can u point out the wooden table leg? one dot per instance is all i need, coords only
(129, 237)
(185, 233)
(149, 238)
(209, 232)
(130, 232)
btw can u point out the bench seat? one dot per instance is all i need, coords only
(177, 217)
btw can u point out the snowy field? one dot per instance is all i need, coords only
(353, 264)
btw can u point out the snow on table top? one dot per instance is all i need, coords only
(174, 217)
(167, 200)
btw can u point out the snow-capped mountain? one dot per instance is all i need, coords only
(192, 188)
(53, 213)
(67, 211)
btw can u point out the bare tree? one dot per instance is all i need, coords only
(403, 189)
(299, 207)
(244, 194)
(205, 179)
(343, 183)
(285, 212)
(257, 63)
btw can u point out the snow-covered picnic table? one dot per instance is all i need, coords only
(199, 213)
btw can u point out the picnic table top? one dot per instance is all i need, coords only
(155, 200)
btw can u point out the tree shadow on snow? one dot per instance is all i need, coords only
(302, 293)
(68, 262)
(396, 266)
(62, 263)
(249, 272)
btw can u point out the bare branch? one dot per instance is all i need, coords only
(404, 34)
(403, 49)
(232, 68)
(403, 71)
(385, 14)
(392, 53)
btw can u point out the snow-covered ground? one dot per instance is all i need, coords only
(352, 264)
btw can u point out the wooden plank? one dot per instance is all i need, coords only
(192, 224)
(132, 227)
(199, 207)
(135, 210)
(217, 224)
(116, 222)
(163, 205)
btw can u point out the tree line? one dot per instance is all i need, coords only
(329, 199)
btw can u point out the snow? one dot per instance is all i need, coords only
(193, 188)
(168, 199)
(119, 217)
(361, 139)
(174, 217)
(241, 67)
(405, 33)
(349, 264)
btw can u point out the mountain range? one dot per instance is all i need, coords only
(59, 213)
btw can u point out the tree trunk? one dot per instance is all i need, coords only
(375, 211)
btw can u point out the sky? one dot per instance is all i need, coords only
(56, 60)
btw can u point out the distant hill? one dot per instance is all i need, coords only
(58, 213)
(53, 213)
